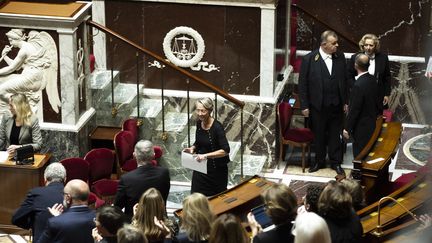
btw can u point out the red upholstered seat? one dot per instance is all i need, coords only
(296, 137)
(388, 115)
(101, 161)
(124, 146)
(76, 168)
(131, 125)
(94, 201)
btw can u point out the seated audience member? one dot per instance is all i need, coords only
(356, 192)
(310, 200)
(151, 205)
(227, 228)
(22, 128)
(134, 183)
(196, 219)
(310, 228)
(33, 212)
(109, 219)
(281, 207)
(335, 206)
(130, 234)
(75, 224)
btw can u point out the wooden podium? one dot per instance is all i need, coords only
(15, 182)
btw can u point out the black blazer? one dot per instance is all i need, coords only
(133, 184)
(33, 212)
(74, 225)
(28, 134)
(311, 79)
(364, 106)
(382, 74)
(281, 233)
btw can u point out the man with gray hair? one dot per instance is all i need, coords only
(33, 212)
(133, 184)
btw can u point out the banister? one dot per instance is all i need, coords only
(351, 41)
(162, 60)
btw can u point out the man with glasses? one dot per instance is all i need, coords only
(75, 224)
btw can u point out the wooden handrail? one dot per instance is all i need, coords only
(160, 59)
(351, 41)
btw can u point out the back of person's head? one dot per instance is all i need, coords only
(311, 228)
(313, 193)
(228, 229)
(150, 205)
(362, 62)
(356, 192)
(197, 217)
(77, 191)
(130, 234)
(22, 108)
(111, 219)
(335, 201)
(144, 151)
(55, 172)
(281, 203)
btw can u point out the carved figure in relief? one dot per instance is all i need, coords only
(37, 58)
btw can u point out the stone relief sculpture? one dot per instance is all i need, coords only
(37, 58)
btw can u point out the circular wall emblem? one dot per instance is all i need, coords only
(183, 46)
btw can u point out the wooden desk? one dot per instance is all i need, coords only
(103, 137)
(15, 182)
(238, 200)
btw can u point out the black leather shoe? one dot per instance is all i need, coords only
(315, 167)
(338, 169)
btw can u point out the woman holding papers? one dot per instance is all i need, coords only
(22, 128)
(212, 146)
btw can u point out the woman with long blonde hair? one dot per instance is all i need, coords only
(150, 206)
(21, 127)
(196, 219)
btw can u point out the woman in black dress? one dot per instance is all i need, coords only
(211, 144)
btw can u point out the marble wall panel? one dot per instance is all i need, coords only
(231, 36)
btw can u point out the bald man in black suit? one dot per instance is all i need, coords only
(322, 89)
(364, 106)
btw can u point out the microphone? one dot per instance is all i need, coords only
(379, 232)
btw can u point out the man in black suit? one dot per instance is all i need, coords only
(364, 106)
(379, 67)
(322, 89)
(33, 212)
(133, 184)
(75, 224)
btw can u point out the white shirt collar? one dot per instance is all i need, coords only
(324, 55)
(360, 74)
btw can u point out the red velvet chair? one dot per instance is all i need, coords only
(101, 161)
(131, 125)
(296, 137)
(77, 168)
(124, 145)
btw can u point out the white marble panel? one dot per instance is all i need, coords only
(69, 86)
(252, 165)
(149, 108)
(99, 47)
(174, 122)
(267, 56)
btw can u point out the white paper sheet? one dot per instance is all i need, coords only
(4, 155)
(375, 160)
(189, 161)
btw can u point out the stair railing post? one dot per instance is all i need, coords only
(241, 143)
(188, 110)
(113, 108)
(164, 134)
(215, 108)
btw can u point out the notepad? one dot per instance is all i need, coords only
(375, 160)
(4, 155)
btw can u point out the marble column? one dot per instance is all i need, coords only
(267, 55)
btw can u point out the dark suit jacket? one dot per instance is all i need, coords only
(363, 111)
(382, 74)
(133, 184)
(73, 225)
(281, 233)
(33, 212)
(311, 79)
(28, 134)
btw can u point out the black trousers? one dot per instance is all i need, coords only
(326, 125)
